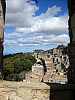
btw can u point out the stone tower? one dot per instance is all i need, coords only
(2, 20)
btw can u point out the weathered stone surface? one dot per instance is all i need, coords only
(35, 91)
(23, 91)
(2, 19)
(71, 69)
(71, 47)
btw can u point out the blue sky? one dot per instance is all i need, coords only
(31, 26)
(44, 4)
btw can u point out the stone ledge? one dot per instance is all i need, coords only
(33, 85)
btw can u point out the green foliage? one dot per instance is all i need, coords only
(27, 65)
(8, 69)
(17, 63)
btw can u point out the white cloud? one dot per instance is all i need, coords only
(51, 12)
(14, 6)
(54, 25)
(20, 13)
(32, 30)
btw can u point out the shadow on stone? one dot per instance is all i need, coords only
(61, 91)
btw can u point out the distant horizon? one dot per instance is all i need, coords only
(33, 50)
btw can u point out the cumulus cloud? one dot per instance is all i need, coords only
(32, 30)
(51, 12)
(20, 13)
(15, 6)
(51, 25)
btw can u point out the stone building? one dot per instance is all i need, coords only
(38, 70)
(60, 59)
(56, 64)
(38, 67)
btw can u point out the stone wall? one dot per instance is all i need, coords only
(2, 19)
(71, 47)
(35, 91)
(23, 91)
(62, 92)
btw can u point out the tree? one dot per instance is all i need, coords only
(27, 65)
(7, 70)
(16, 64)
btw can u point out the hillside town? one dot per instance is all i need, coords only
(51, 66)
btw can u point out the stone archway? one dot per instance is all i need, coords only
(71, 47)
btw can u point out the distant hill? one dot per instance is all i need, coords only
(51, 50)
(14, 64)
(38, 51)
